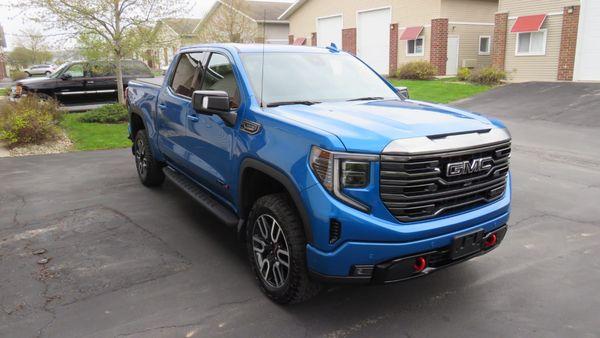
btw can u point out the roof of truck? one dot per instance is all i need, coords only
(258, 48)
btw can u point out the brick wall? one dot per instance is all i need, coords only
(290, 39)
(499, 40)
(439, 45)
(393, 49)
(349, 40)
(313, 39)
(568, 43)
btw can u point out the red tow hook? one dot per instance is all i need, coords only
(420, 264)
(490, 241)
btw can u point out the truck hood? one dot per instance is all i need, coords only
(35, 81)
(370, 126)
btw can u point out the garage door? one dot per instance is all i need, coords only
(373, 38)
(329, 30)
(587, 66)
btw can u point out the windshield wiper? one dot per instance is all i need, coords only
(368, 98)
(284, 103)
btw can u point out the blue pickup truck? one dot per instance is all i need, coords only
(327, 172)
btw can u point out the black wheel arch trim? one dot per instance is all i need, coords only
(280, 177)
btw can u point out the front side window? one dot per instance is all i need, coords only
(415, 47)
(312, 77)
(220, 76)
(532, 43)
(484, 45)
(188, 74)
(76, 70)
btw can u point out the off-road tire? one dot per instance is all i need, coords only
(298, 286)
(150, 172)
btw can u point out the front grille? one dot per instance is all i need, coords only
(416, 187)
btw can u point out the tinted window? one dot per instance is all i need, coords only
(136, 68)
(101, 69)
(220, 76)
(188, 74)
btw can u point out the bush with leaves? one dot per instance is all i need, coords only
(417, 70)
(110, 113)
(17, 75)
(463, 74)
(29, 121)
(487, 76)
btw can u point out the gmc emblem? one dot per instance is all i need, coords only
(469, 167)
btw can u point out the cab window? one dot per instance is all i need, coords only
(220, 76)
(188, 74)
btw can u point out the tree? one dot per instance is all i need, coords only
(35, 42)
(23, 57)
(108, 20)
(229, 23)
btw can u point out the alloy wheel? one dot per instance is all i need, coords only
(271, 251)
(141, 160)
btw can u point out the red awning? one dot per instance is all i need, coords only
(529, 23)
(299, 41)
(411, 33)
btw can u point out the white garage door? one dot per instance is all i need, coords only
(373, 38)
(329, 30)
(587, 64)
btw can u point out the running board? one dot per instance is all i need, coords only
(202, 197)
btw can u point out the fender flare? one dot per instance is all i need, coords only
(282, 178)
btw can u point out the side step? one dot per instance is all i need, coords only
(202, 197)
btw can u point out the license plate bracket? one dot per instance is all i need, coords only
(467, 244)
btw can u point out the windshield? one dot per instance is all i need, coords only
(59, 71)
(313, 77)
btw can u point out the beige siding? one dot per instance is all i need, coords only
(275, 33)
(469, 43)
(530, 7)
(404, 12)
(469, 10)
(403, 58)
(539, 68)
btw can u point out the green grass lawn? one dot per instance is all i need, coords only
(440, 91)
(4, 91)
(94, 136)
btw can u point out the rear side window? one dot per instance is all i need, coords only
(102, 69)
(188, 74)
(220, 76)
(136, 68)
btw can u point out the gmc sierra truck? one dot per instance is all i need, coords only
(326, 170)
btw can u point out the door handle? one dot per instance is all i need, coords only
(193, 118)
(162, 106)
(90, 82)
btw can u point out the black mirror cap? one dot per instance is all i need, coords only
(66, 76)
(210, 101)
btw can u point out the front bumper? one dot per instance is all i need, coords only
(405, 268)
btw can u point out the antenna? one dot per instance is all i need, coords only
(262, 75)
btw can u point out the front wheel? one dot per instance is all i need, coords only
(149, 170)
(276, 247)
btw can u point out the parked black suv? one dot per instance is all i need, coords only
(82, 82)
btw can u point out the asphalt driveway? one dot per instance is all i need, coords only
(128, 261)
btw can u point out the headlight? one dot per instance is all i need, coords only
(338, 170)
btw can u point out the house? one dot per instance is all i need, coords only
(172, 34)
(548, 40)
(245, 21)
(388, 33)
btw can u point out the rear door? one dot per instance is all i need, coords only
(210, 139)
(102, 87)
(174, 107)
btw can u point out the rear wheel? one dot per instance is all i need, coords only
(149, 170)
(276, 247)
(48, 73)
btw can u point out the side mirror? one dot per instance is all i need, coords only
(66, 76)
(211, 102)
(403, 91)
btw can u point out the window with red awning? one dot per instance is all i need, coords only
(299, 41)
(411, 33)
(529, 23)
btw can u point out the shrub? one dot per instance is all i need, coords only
(17, 75)
(29, 121)
(417, 70)
(463, 74)
(110, 113)
(487, 76)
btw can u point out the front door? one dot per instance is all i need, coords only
(174, 108)
(452, 60)
(71, 87)
(210, 138)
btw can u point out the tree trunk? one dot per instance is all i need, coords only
(120, 91)
(119, 54)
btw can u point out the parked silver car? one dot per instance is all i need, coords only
(40, 70)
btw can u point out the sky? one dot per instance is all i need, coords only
(13, 21)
